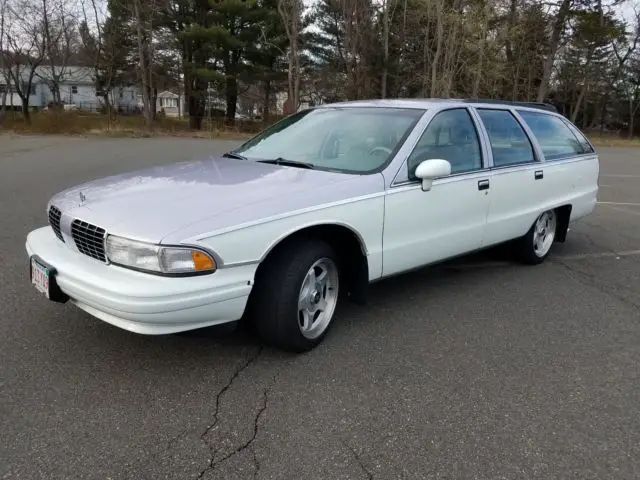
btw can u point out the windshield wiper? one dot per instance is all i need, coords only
(234, 155)
(288, 163)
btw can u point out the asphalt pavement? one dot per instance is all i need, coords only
(477, 369)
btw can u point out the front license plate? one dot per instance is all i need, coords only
(40, 277)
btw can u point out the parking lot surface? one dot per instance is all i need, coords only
(480, 368)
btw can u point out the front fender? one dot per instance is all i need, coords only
(252, 243)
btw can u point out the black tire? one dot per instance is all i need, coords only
(525, 246)
(274, 301)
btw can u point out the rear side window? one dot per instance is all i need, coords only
(554, 136)
(584, 143)
(509, 142)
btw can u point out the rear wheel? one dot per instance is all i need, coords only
(296, 296)
(535, 246)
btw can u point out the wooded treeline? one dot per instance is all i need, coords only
(581, 55)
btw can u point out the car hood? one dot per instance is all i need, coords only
(150, 204)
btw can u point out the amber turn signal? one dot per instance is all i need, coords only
(202, 261)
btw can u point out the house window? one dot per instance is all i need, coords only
(74, 89)
(168, 102)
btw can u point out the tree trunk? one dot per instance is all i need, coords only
(436, 56)
(385, 47)
(25, 109)
(187, 83)
(289, 11)
(107, 104)
(480, 72)
(267, 101)
(3, 105)
(632, 111)
(143, 67)
(196, 103)
(425, 62)
(232, 97)
(196, 111)
(154, 102)
(296, 82)
(558, 27)
(576, 107)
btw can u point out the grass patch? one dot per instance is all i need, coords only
(95, 124)
(55, 122)
(614, 141)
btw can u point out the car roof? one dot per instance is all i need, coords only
(426, 103)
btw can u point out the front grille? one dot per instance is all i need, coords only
(54, 221)
(89, 239)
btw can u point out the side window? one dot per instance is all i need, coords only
(584, 143)
(509, 142)
(554, 136)
(451, 135)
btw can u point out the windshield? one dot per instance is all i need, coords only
(350, 139)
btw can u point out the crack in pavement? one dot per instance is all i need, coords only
(606, 230)
(256, 464)
(589, 279)
(245, 445)
(361, 464)
(212, 449)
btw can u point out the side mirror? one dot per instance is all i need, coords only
(429, 170)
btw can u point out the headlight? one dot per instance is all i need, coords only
(157, 258)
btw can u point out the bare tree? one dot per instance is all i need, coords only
(25, 48)
(387, 18)
(622, 56)
(559, 25)
(631, 86)
(451, 64)
(143, 15)
(358, 40)
(5, 76)
(291, 13)
(103, 48)
(439, 18)
(59, 32)
(482, 19)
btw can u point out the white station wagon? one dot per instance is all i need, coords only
(311, 210)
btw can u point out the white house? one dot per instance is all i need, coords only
(171, 103)
(175, 105)
(283, 95)
(77, 89)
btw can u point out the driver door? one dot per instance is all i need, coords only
(424, 227)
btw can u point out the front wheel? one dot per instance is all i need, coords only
(535, 246)
(296, 296)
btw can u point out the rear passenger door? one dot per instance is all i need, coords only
(517, 191)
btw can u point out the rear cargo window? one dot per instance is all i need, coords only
(554, 136)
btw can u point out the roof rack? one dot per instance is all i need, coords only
(540, 105)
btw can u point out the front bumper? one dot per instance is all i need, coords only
(140, 302)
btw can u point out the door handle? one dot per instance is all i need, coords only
(539, 174)
(483, 184)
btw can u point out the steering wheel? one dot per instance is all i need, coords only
(380, 148)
